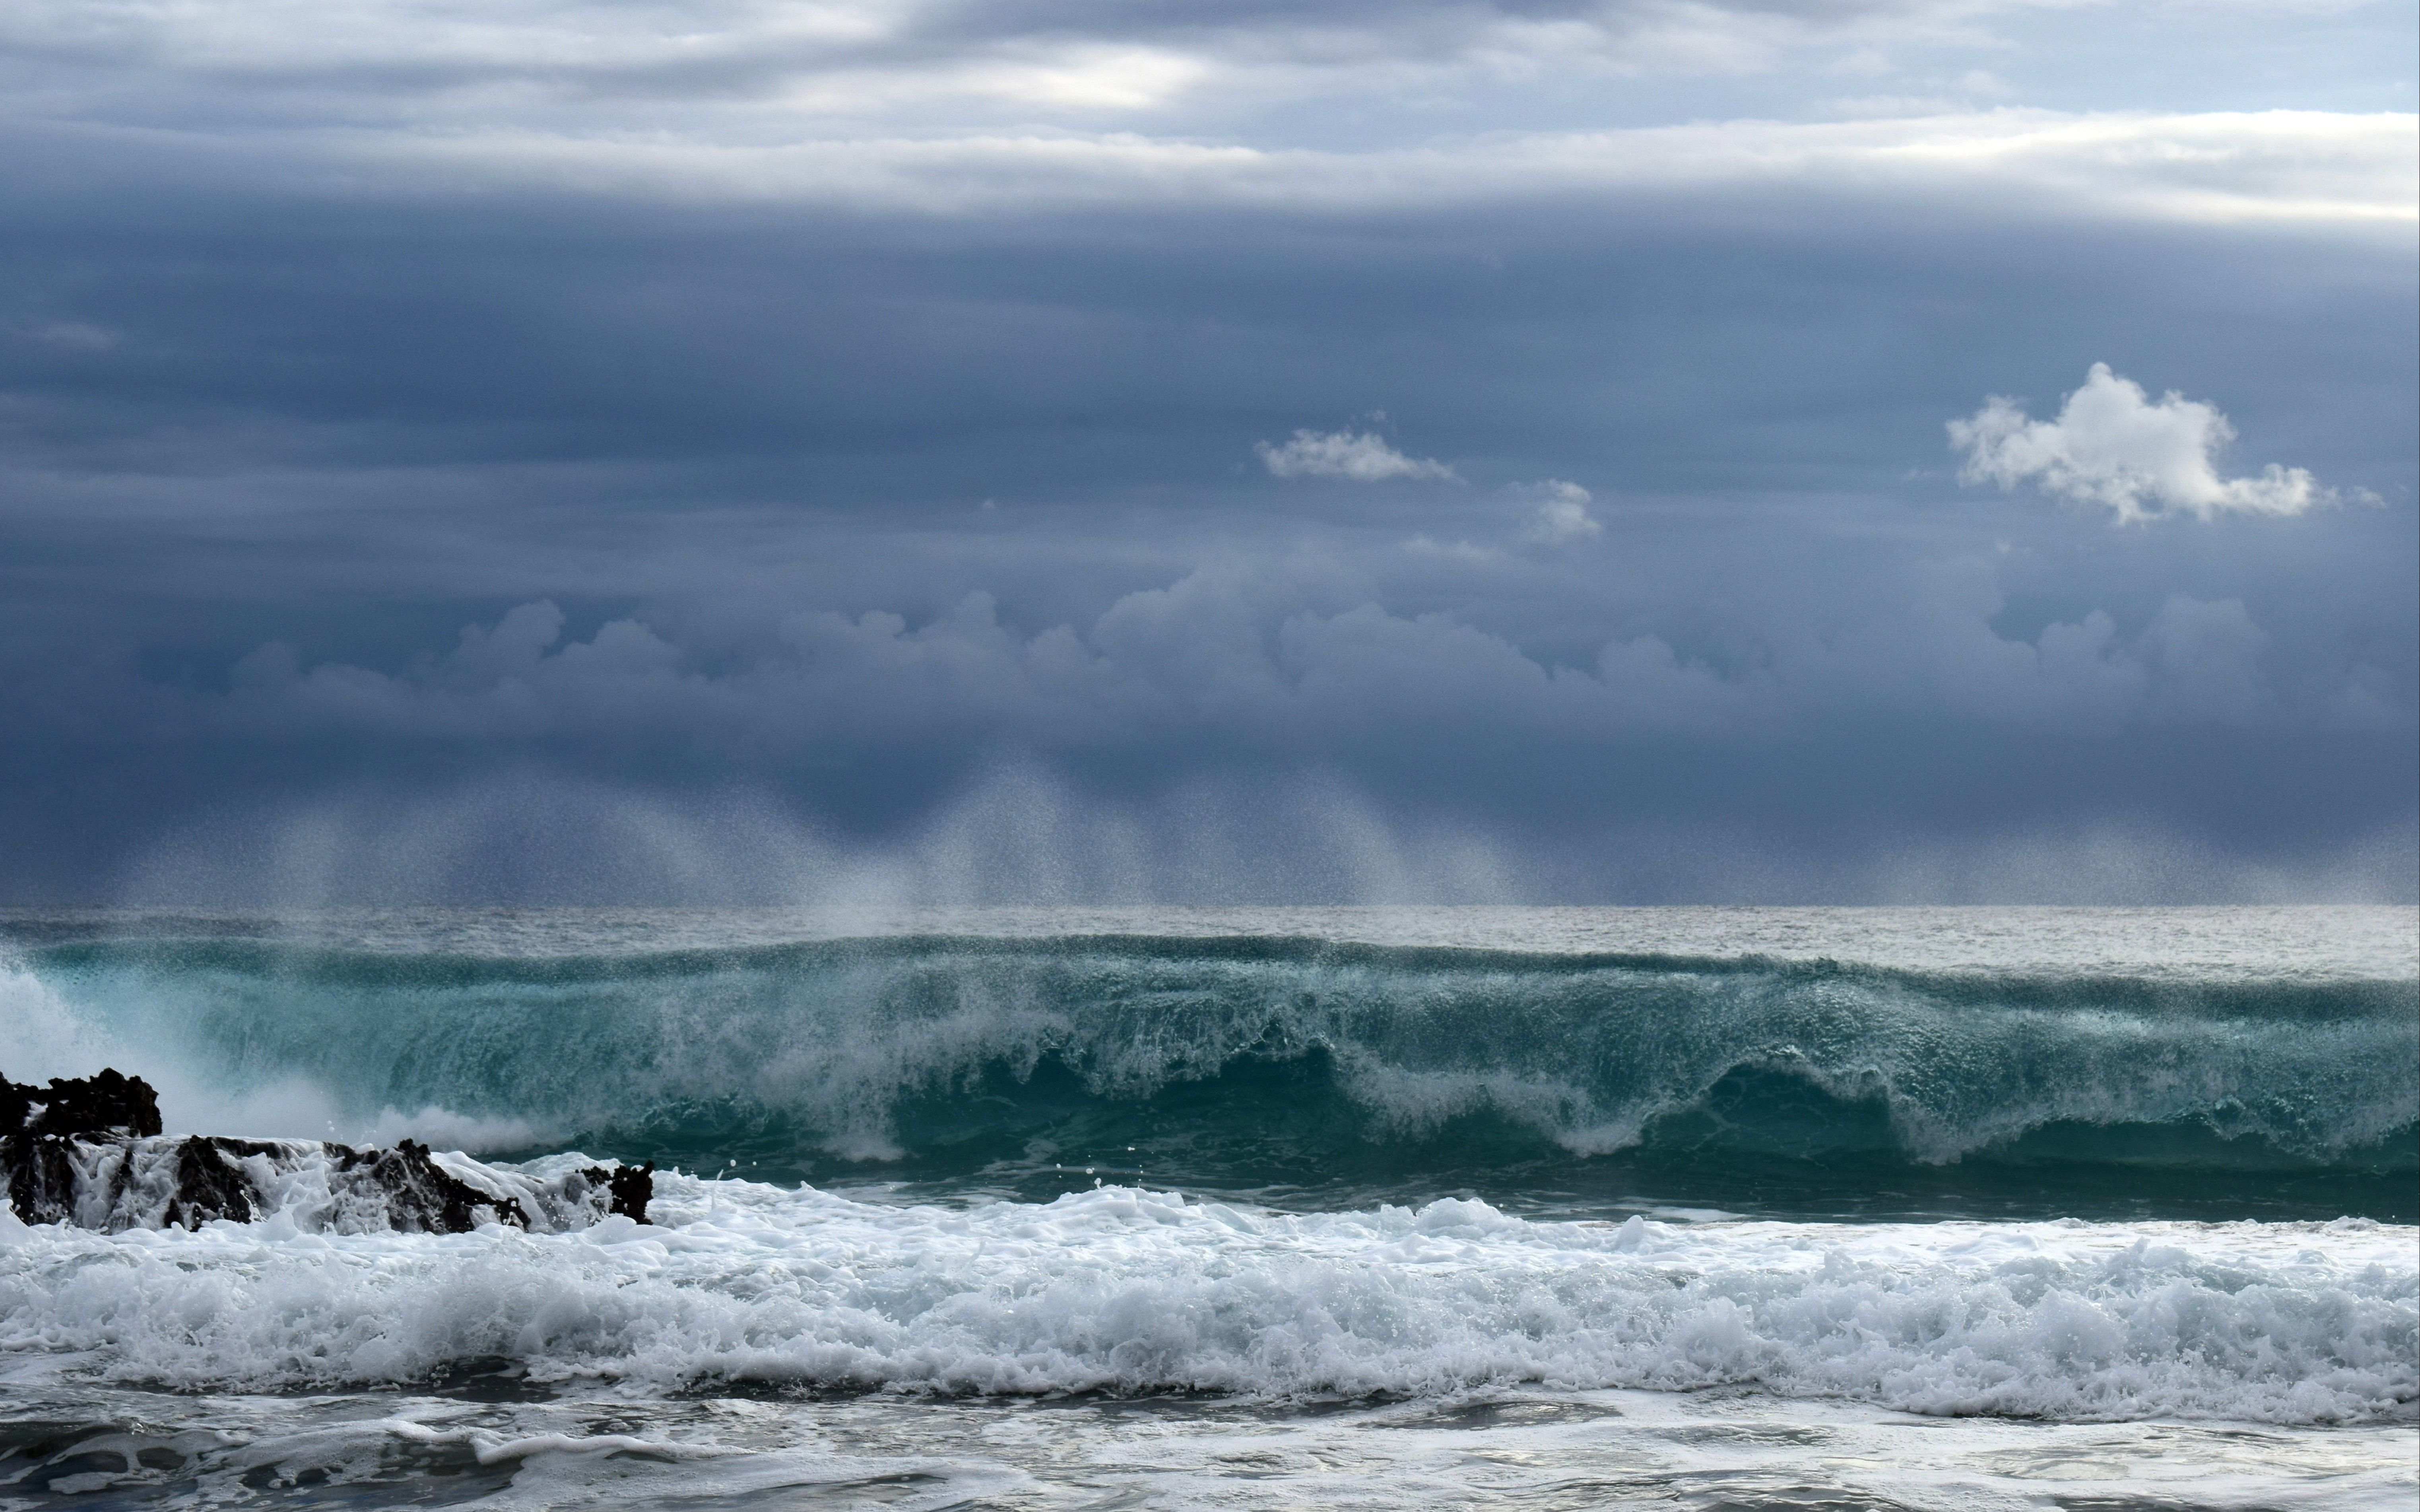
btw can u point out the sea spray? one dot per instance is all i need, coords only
(1138, 1292)
(1256, 1062)
(1544, 1206)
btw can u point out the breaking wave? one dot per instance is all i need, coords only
(1287, 1064)
(1127, 1290)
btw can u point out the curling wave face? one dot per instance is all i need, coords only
(1301, 1069)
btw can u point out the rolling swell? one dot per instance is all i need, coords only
(1289, 1065)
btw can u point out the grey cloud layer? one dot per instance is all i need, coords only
(1248, 656)
(411, 58)
(950, 110)
(1887, 722)
(1270, 729)
(744, 68)
(899, 492)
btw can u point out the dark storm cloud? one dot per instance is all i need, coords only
(898, 519)
(473, 330)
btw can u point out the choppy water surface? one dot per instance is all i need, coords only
(1493, 1206)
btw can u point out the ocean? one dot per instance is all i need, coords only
(1153, 1208)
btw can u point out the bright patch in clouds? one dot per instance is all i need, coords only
(1362, 456)
(2112, 446)
(1562, 517)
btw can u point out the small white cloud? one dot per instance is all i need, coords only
(1363, 457)
(2111, 445)
(1984, 84)
(1561, 516)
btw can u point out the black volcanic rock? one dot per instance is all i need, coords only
(107, 1103)
(37, 1122)
(91, 1152)
(42, 1179)
(421, 1194)
(209, 1184)
(629, 1189)
(634, 1187)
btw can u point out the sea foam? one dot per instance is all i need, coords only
(1130, 1290)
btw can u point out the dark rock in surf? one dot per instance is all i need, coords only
(89, 1151)
(627, 1189)
(42, 1179)
(37, 1122)
(421, 1194)
(633, 1187)
(210, 1182)
(108, 1103)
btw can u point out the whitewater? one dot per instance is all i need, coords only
(1533, 1207)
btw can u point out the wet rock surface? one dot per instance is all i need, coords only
(107, 1103)
(632, 1188)
(89, 1151)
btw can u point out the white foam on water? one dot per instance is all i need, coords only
(1128, 1290)
(1516, 1448)
(236, 1451)
(303, 1186)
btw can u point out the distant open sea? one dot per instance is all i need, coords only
(1533, 1207)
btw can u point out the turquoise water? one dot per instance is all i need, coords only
(1319, 1071)
(1535, 1208)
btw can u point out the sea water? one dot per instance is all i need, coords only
(1522, 1208)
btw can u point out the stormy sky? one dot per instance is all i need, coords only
(1832, 451)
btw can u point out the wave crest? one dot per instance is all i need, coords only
(1220, 1058)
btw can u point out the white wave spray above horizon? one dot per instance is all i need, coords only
(1021, 834)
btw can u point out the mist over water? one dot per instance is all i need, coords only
(1026, 833)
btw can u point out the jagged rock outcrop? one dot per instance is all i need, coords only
(108, 1103)
(632, 1188)
(39, 1127)
(89, 1151)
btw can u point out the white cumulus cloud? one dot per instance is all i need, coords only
(1561, 516)
(2112, 446)
(1363, 457)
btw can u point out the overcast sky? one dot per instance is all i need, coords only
(1646, 451)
